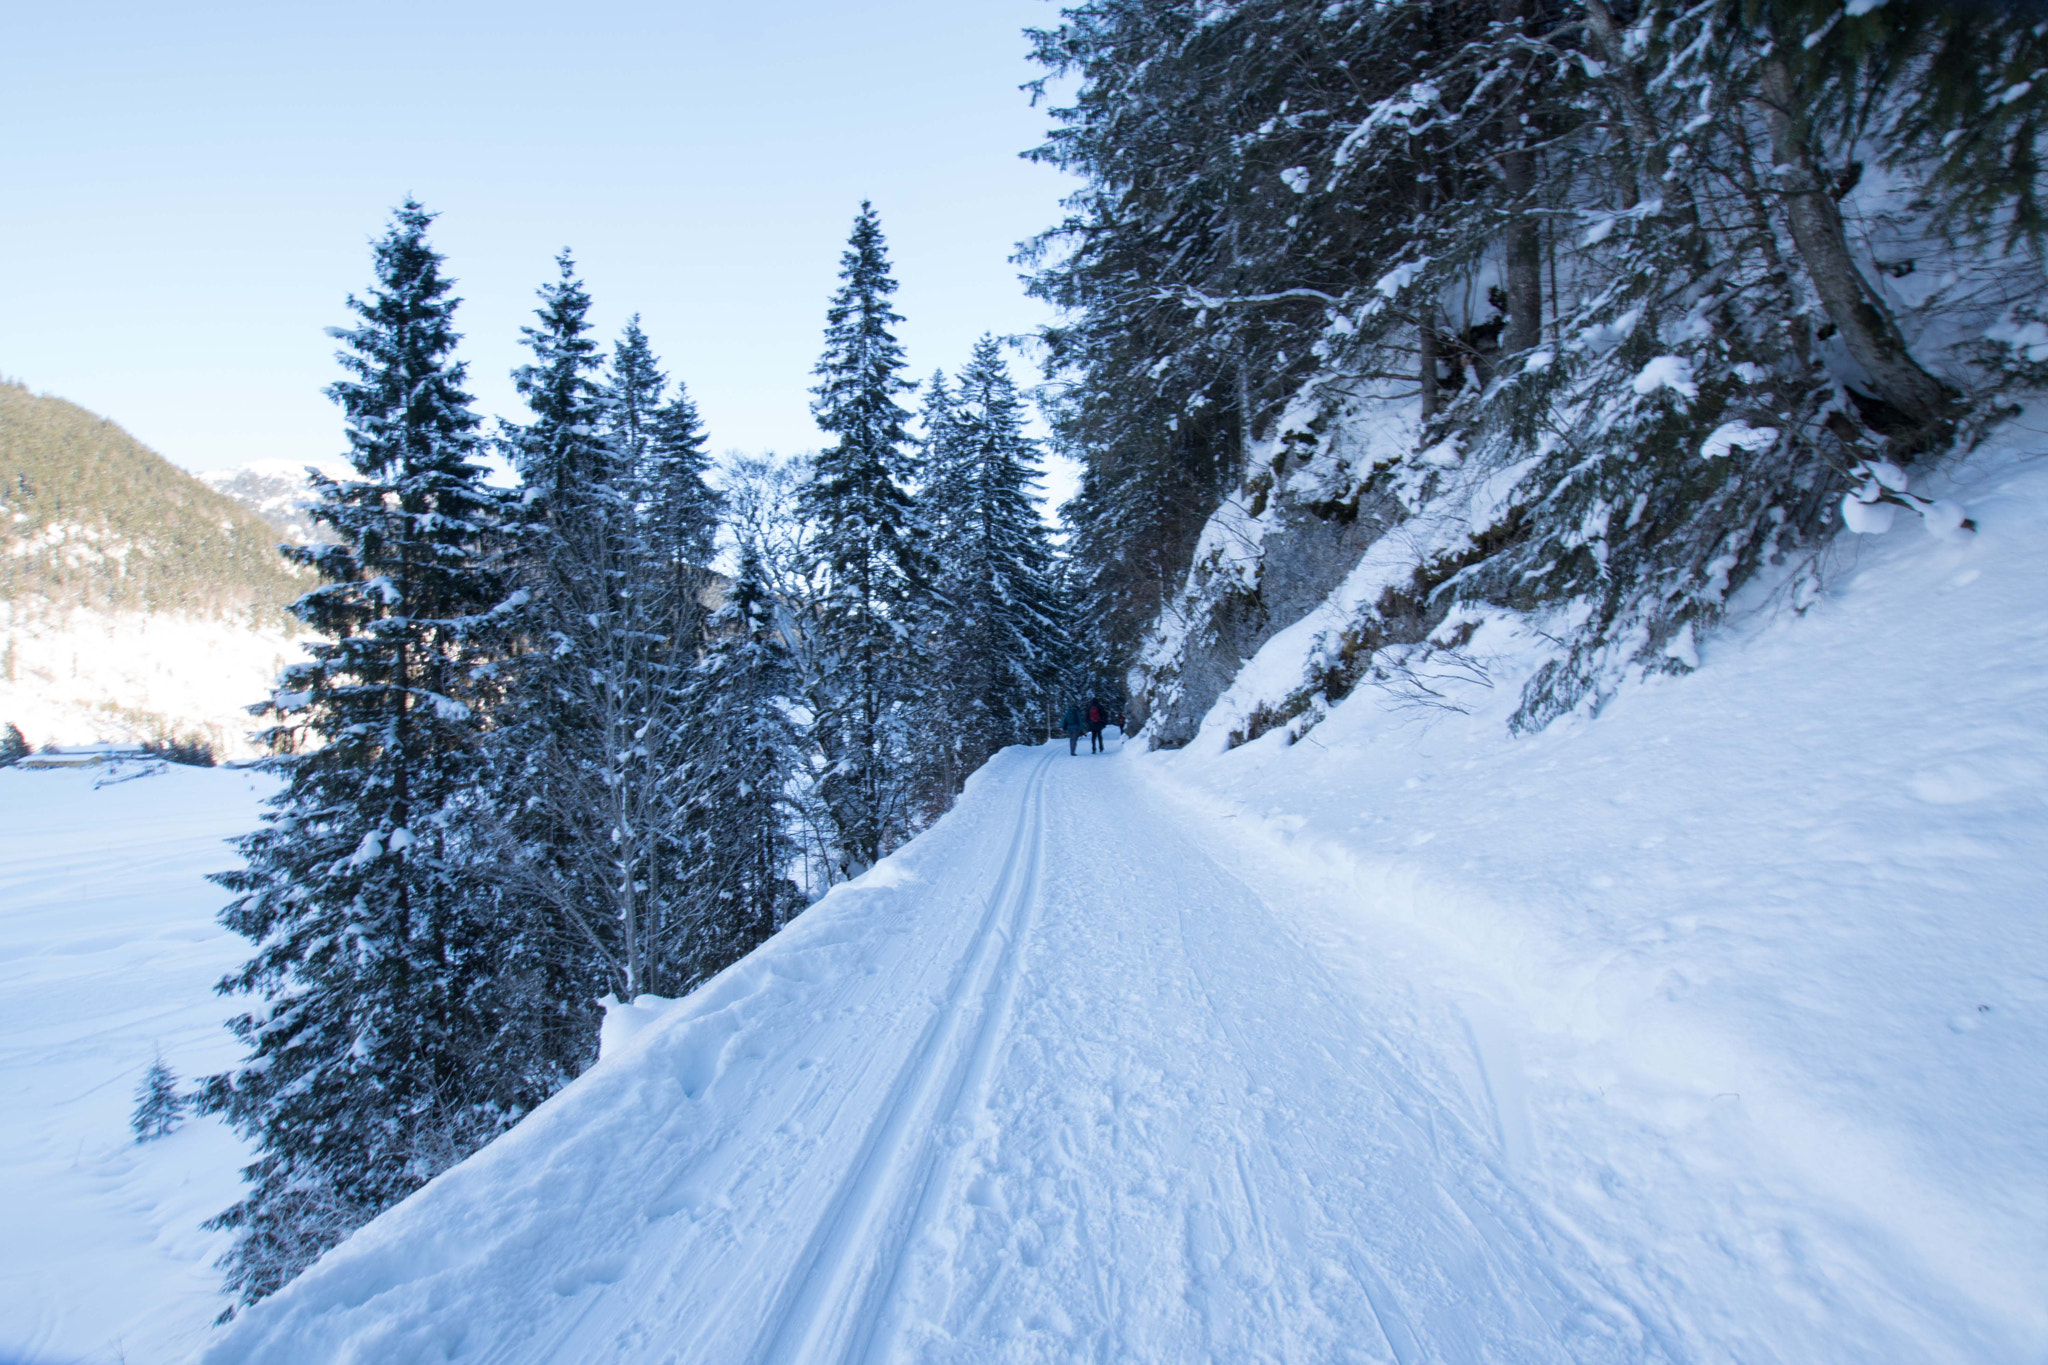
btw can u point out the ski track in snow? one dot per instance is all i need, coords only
(1059, 1084)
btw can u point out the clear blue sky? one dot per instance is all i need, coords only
(187, 192)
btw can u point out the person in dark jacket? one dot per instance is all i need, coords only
(1071, 723)
(1098, 716)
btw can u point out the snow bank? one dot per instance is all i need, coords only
(1779, 918)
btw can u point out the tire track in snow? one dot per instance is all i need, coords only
(829, 1308)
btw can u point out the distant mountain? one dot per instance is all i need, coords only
(135, 601)
(277, 491)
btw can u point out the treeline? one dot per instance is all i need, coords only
(542, 752)
(1683, 275)
(92, 518)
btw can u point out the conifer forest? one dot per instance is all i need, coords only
(1604, 308)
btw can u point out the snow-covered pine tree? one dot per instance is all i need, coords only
(1003, 641)
(578, 785)
(661, 441)
(869, 542)
(1626, 250)
(678, 511)
(159, 1105)
(13, 747)
(389, 1037)
(662, 445)
(748, 753)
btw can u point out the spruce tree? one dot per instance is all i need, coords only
(387, 1038)
(598, 755)
(13, 747)
(748, 753)
(869, 543)
(998, 657)
(158, 1104)
(569, 770)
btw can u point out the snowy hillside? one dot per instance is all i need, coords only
(108, 954)
(136, 603)
(1708, 1030)
(86, 676)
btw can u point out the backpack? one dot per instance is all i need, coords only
(1095, 716)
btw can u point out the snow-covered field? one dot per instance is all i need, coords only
(76, 677)
(1708, 1031)
(108, 954)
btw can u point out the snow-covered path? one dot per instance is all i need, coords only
(1198, 1145)
(1070, 1079)
(1060, 1087)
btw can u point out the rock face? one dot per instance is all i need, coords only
(1275, 550)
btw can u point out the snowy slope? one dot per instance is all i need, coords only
(1766, 941)
(108, 953)
(76, 676)
(1707, 1031)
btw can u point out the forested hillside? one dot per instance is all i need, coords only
(1584, 314)
(95, 519)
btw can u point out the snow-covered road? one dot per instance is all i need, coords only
(1140, 1124)
(1064, 1081)
(1053, 1085)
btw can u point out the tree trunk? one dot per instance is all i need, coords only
(1524, 256)
(1524, 241)
(1428, 347)
(1653, 166)
(1868, 330)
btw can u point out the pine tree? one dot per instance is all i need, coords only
(1003, 641)
(13, 747)
(598, 756)
(870, 544)
(571, 775)
(159, 1106)
(388, 1039)
(749, 751)
(661, 442)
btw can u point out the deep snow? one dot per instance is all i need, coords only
(1710, 1030)
(108, 953)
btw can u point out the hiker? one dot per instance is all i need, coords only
(1071, 723)
(1098, 716)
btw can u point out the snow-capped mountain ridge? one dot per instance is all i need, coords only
(277, 491)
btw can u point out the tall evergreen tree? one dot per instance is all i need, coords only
(870, 544)
(748, 752)
(387, 1041)
(999, 653)
(586, 776)
(661, 442)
